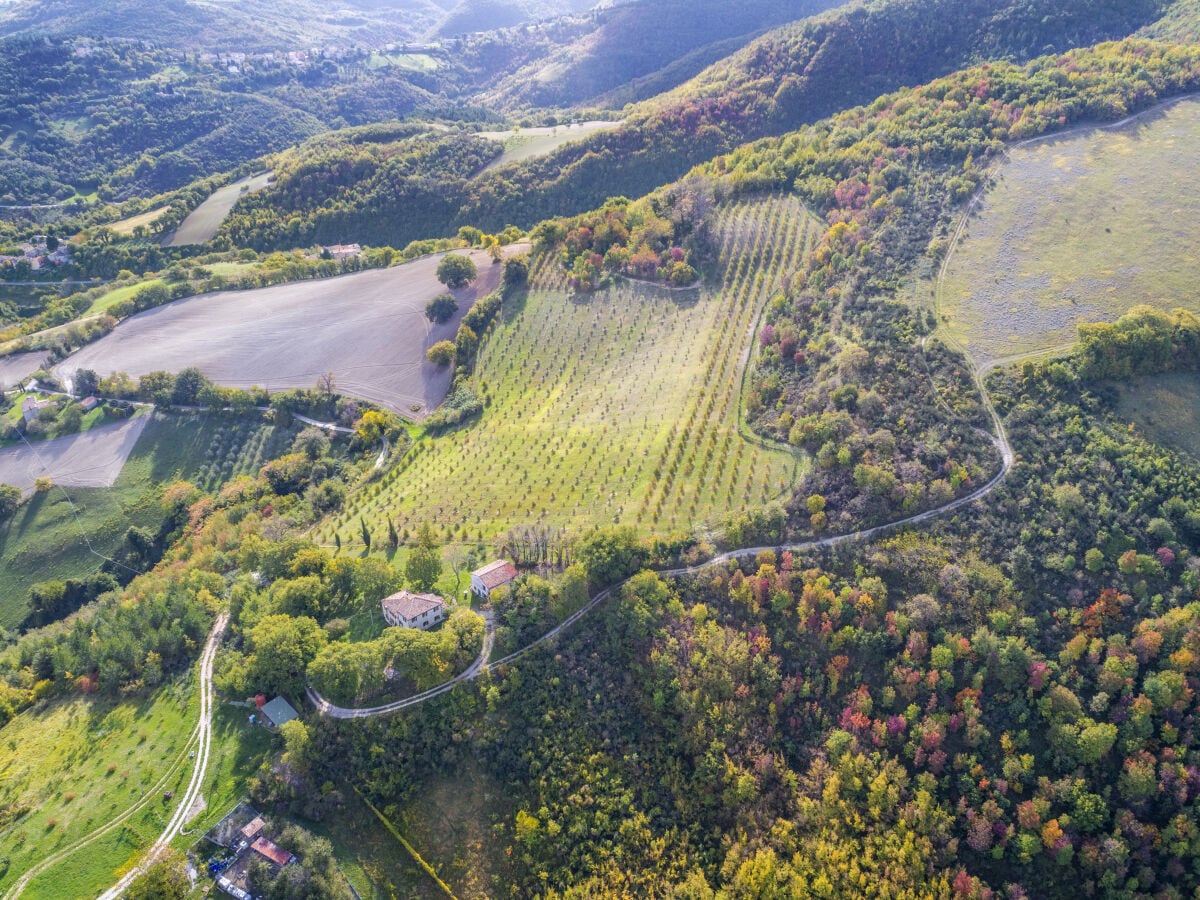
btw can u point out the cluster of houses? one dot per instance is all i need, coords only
(405, 609)
(36, 254)
(240, 836)
(341, 251)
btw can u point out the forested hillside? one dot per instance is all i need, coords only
(626, 47)
(1002, 706)
(793, 75)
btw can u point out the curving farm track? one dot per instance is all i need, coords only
(192, 793)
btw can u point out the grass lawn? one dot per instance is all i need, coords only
(77, 765)
(618, 407)
(1164, 408)
(1077, 229)
(51, 537)
(89, 420)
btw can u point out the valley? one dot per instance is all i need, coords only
(487, 449)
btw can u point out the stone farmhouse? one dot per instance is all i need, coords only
(405, 609)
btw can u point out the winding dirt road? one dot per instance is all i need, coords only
(192, 793)
(483, 664)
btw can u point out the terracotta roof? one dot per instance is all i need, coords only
(408, 605)
(271, 851)
(495, 574)
(253, 827)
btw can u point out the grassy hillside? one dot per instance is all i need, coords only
(1077, 229)
(621, 406)
(67, 534)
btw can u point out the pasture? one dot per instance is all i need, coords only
(202, 223)
(617, 407)
(1077, 228)
(74, 767)
(368, 328)
(125, 227)
(66, 532)
(526, 143)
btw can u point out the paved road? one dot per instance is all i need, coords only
(483, 664)
(193, 791)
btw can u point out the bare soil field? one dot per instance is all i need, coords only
(1078, 228)
(202, 224)
(92, 458)
(18, 366)
(368, 328)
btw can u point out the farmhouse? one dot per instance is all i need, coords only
(405, 609)
(492, 576)
(343, 251)
(31, 408)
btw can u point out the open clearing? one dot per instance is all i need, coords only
(622, 406)
(92, 458)
(1164, 408)
(368, 328)
(1078, 228)
(19, 366)
(526, 143)
(202, 223)
(125, 226)
(60, 534)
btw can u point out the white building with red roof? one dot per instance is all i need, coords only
(405, 609)
(492, 576)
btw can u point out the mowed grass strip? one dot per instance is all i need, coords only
(1077, 229)
(618, 407)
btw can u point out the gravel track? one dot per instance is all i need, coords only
(193, 790)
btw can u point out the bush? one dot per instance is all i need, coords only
(456, 271)
(441, 308)
(441, 353)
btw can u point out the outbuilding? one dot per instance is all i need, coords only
(492, 576)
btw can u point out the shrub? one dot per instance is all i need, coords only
(441, 308)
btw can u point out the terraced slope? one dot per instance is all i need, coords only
(619, 407)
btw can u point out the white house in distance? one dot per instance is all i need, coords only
(405, 609)
(492, 576)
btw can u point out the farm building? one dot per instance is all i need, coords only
(87, 404)
(343, 251)
(271, 852)
(492, 576)
(405, 609)
(278, 711)
(252, 829)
